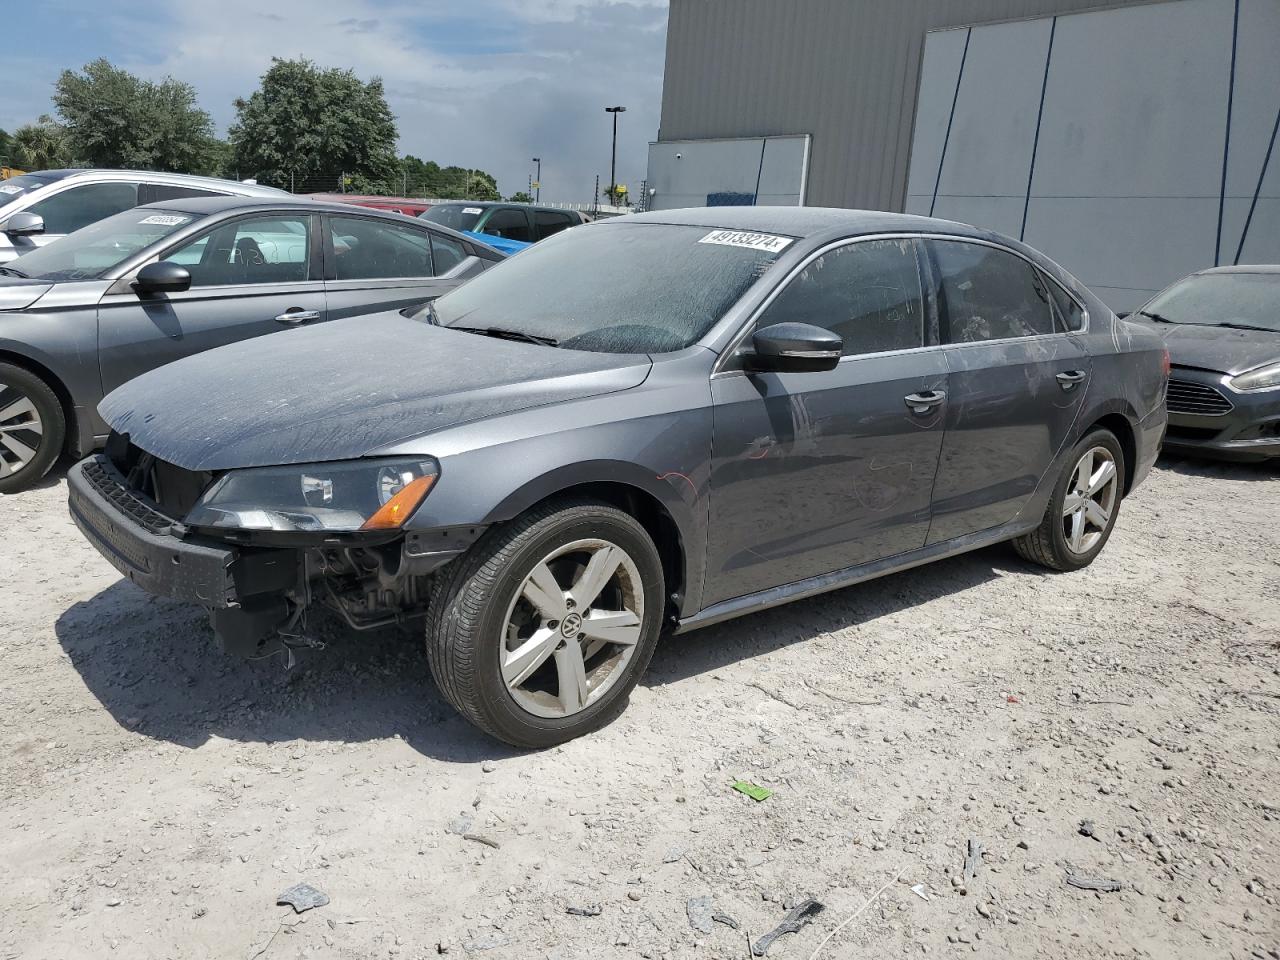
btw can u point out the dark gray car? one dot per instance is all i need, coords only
(1222, 327)
(667, 419)
(153, 284)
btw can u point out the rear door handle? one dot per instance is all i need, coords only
(925, 401)
(296, 315)
(1069, 378)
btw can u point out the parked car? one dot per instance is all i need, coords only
(519, 222)
(38, 208)
(1222, 328)
(150, 285)
(409, 206)
(666, 419)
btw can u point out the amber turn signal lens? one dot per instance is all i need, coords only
(396, 511)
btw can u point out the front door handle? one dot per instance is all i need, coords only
(1069, 378)
(296, 315)
(925, 401)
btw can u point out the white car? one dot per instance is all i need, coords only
(53, 203)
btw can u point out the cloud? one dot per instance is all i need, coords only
(488, 85)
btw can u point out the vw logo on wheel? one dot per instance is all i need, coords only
(571, 625)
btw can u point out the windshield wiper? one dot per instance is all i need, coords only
(1155, 316)
(1244, 326)
(503, 334)
(10, 271)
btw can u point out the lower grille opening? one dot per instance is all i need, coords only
(175, 490)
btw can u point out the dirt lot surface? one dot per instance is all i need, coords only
(156, 797)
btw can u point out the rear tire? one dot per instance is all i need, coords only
(538, 633)
(32, 428)
(1082, 511)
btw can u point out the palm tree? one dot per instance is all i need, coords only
(40, 146)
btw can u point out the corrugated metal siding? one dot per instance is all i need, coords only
(845, 71)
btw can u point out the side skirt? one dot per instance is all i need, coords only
(847, 577)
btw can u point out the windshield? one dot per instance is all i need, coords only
(456, 216)
(90, 252)
(1216, 299)
(15, 187)
(615, 288)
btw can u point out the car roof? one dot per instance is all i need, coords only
(801, 221)
(159, 176)
(1264, 268)
(504, 203)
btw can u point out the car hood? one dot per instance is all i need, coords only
(343, 389)
(18, 293)
(1218, 348)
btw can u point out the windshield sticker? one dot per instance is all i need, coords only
(165, 220)
(10, 188)
(473, 210)
(751, 241)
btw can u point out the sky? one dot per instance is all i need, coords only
(480, 83)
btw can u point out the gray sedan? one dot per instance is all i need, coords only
(659, 421)
(147, 286)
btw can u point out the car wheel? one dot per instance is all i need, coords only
(1083, 509)
(32, 428)
(539, 632)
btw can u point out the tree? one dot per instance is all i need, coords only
(481, 186)
(520, 197)
(315, 124)
(618, 196)
(5, 141)
(114, 119)
(40, 146)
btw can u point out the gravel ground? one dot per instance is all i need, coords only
(156, 797)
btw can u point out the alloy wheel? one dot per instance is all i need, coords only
(572, 628)
(1091, 500)
(21, 430)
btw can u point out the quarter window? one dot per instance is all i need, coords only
(990, 294)
(509, 223)
(80, 206)
(255, 250)
(378, 250)
(1069, 314)
(868, 292)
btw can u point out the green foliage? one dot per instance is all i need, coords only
(520, 197)
(618, 196)
(426, 178)
(40, 146)
(314, 124)
(114, 119)
(5, 141)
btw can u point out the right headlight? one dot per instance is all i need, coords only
(1266, 377)
(342, 496)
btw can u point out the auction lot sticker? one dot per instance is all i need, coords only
(165, 220)
(751, 241)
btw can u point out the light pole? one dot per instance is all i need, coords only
(538, 179)
(613, 162)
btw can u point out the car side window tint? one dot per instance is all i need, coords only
(271, 249)
(1069, 314)
(156, 192)
(447, 253)
(868, 292)
(80, 206)
(990, 294)
(379, 250)
(548, 222)
(510, 223)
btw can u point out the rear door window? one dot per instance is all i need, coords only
(446, 253)
(374, 250)
(989, 293)
(79, 206)
(508, 222)
(549, 222)
(157, 192)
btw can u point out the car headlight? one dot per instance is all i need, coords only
(1263, 378)
(347, 495)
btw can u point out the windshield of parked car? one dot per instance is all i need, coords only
(21, 185)
(621, 287)
(456, 216)
(92, 251)
(1221, 299)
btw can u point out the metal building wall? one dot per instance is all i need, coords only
(845, 71)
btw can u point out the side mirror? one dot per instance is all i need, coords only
(1121, 316)
(795, 348)
(24, 225)
(162, 277)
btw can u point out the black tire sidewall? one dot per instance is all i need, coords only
(1063, 553)
(52, 418)
(516, 724)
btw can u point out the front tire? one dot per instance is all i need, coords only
(32, 428)
(1082, 511)
(538, 634)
